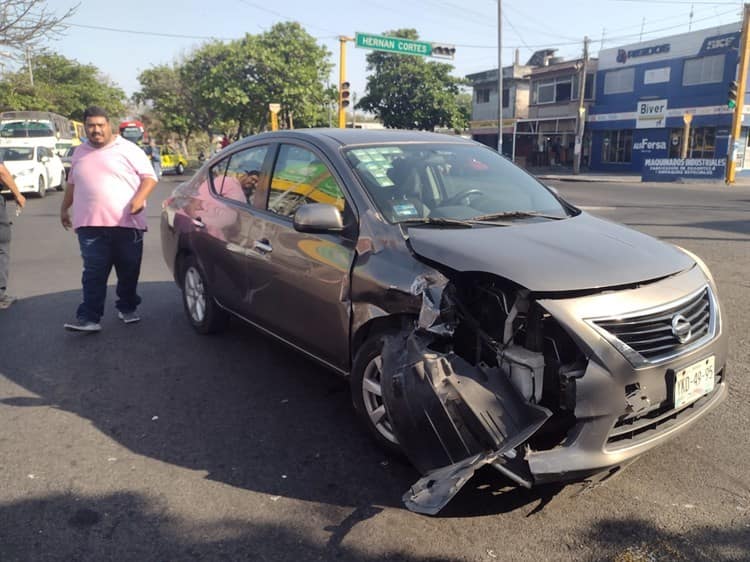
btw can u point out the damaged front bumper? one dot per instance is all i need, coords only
(454, 411)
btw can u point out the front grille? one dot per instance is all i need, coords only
(650, 337)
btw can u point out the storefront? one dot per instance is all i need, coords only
(664, 98)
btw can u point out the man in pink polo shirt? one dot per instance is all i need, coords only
(109, 181)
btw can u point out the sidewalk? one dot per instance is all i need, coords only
(562, 173)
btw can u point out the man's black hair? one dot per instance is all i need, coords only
(95, 111)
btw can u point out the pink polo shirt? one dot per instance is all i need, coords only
(105, 180)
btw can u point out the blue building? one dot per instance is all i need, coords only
(651, 96)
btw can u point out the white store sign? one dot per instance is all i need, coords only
(651, 114)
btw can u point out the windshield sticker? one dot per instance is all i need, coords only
(405, 210)
(377, 161)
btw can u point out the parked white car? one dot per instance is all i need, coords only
(35, 168)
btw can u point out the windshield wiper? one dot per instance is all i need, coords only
(514, 215)
(437, 221)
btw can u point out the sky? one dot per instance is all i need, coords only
(124, 38)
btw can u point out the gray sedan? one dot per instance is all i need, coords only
(481, 319)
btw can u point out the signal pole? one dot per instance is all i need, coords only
(342, 80)
(739, 108)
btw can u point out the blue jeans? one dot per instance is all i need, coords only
(103, 247)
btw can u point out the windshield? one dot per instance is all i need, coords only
(23, 129)
(17, 153)
(449, 181)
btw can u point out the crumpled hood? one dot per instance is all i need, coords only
(578, 253)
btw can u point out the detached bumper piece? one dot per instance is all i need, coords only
(451, 418)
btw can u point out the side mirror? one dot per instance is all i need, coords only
(318, 217)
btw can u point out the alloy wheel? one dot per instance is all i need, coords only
(195, 295)
(372, 395)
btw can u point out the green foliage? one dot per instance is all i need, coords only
(228, 86)
(62, 86)
(409, 92)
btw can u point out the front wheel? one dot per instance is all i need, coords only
(180, 169)
(367, 393)
(204, 314)
(42, 189)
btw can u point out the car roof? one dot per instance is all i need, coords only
(347, 137)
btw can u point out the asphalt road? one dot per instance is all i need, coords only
(149, 442)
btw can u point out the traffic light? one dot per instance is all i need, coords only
(732, 94)
(344, 94)
(443, 51)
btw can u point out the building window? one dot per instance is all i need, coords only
(544, 92)
(656, 75)
(617, 146)
(563, 90)
(588, 87)
(619, 81)
(483, 95)
(506, 97)
(704, 70)
(554, 90)
(701, 144)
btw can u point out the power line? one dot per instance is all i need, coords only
(151, 33)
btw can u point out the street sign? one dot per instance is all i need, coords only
(274, 107)
(393, 44)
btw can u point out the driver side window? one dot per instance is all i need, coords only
(300, 177)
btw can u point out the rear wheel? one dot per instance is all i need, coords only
(42, 189)
(204, 314)
(62, 182)
(367, 393)
(180, 169)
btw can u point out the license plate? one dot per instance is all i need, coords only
(693, 382)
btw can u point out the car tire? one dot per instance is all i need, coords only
(204, 315)
(180, 169)
(366, 393)
(63, 179)
(42, 189)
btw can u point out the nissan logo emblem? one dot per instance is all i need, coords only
(681, 328)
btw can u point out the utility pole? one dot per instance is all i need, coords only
(500, 76)
(581, 121)
(28, 62)
(739, 108)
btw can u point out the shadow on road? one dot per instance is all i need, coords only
(239, 406)
(638, 540)
(128, 526)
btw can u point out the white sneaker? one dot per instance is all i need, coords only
(128, 317)
(83, 325)
(6, 300)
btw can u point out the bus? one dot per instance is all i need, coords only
(134, 131)
(36, 128)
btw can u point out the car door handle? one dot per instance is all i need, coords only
(262, 246)
(199, 222)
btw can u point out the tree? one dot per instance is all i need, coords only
(407, 92)
(61, 85)
(228, 86)
(22, 22)
(163, 88)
